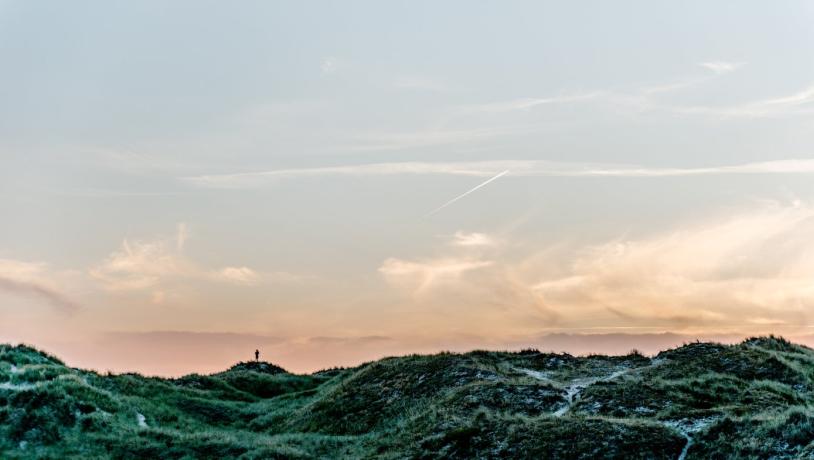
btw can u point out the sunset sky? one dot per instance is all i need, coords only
(183, 182)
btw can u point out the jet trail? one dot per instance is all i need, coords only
(466, 193)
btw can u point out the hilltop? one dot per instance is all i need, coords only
(701, 400)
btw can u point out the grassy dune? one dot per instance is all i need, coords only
(702, 400)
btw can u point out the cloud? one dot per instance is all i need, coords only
(239, 275)
(669, 87)
(253, 179)
(182, 233)
(422, 275)
(488, 169)
(467, 293)
(54, 298)
(721, 67)
(748, 271)
(468, 132)
(141, 265)
(474, 239)
(795, 166)
(33, 280)
(20, 270)
(733, 272)
(718, 68)
(148, 265)
(799, 103)
(804, 96)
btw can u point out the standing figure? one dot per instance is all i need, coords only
(257, 355)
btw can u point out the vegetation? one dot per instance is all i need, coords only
(701, 400)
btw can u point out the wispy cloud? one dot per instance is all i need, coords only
(484, 295)
(746, 271)
(239, 275)
(32, 280)
(718, 69)
(142, 265)
(253, 179)
(802, 97)
(148, 265)
(722, 67)
(801, 166)
(181, 235)
(471, 240)
(455, 125)
(490, 168)
(796, 104)
(666, 88)
(53, 297)
(421, 275)
(750, 269)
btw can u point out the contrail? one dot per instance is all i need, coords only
(466, 193)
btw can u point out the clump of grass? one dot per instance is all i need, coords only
(785, 435)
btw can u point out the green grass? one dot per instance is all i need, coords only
(750, 400)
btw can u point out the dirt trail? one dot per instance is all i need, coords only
(686, 448)
(686, 427)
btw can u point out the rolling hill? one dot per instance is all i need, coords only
(701, 400)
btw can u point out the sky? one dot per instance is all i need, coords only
(332, 182)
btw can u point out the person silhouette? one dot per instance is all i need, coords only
(257, 355)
